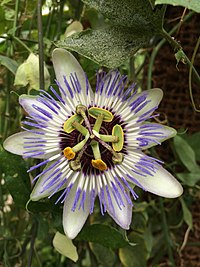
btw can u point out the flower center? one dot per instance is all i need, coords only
(92, 137)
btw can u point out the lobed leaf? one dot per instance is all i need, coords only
(109, 46)
(105, 256)
(137, 15)
(134, 256)
(189, 179)
(65, 246)
(192, 4)
(104, 235)
(9, 63)
(16, 177)
(186, 154)
(187, 216)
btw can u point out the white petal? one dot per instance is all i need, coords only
(107, 86)
(65, 64)
(28, 102)
(154, 96)
(122, 215)
(15, 143)
(162, 133)
(162, 183)
(168, 132)
(73, 221)
(41, 188)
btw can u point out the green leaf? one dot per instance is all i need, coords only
(139, 222)
(187, 216)
(65, 246)
(2, 21)
(186, 154)
(43, 226)
(16, 177)
(193, 141)
(28, 73)
(189, 179)
(180, 56)
(104, 235)
(109, 46)
(134, 256)
(4, 2)
(137, 15)
(190, 4)
(9, 63)
(105, 256)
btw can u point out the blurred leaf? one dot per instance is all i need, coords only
(189, 179)
(187, 216)
(28, 73)
(74, 27)
(104, 235)
(105, 256)
(134, 256)
(141, 207)
(56, 219)
(138, 222)
(109, 46)
(137, 15)
(65, 246)
(16, 177)
(43, 227)
(9, 63)
(4, 2)
(148, 240)
(193, 141)
(190, 4)
(186, 154)
(2, 20)
(39, 206)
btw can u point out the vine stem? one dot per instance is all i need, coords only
(167, 37)
(34, 230)
(40, 43)
(177, 47)
(16, 16)
(21, 43)
(166, 233)
(190, 75)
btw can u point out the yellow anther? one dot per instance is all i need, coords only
(69, 153)
(99, 164)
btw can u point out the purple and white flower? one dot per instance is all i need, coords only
(91, 144)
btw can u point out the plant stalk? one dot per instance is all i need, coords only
(168, 38)
(166, 233)
(40, 43)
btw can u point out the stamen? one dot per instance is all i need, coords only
(68, 125)
(80, 145)
(75, 165)
(69, 153)
(96, 150)
(95, 112)
(109, 138)
(117, 157)
(99, 164)
(81, 109)
(98, 122)
(118, 131)
(80, 128)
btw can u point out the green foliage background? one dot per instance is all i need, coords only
(126, 36)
